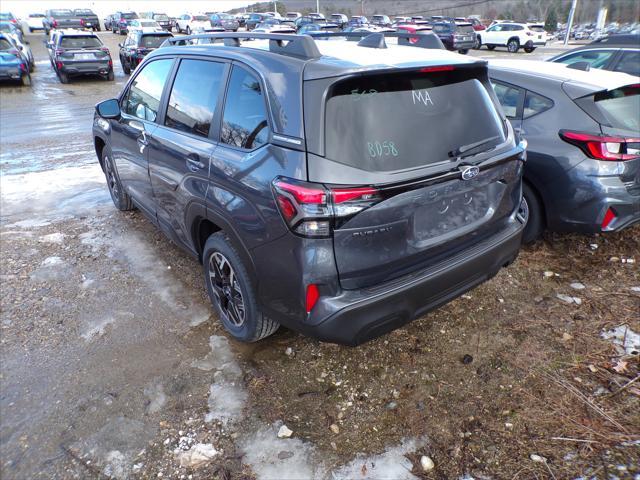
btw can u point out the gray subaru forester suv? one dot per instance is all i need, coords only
(339, 188)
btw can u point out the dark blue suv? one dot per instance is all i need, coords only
(325, 185)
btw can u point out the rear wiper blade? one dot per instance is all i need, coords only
(465, 150)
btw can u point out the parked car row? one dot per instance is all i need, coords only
(380, 228)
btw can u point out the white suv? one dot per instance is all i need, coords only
(513, 36)
(191, 23)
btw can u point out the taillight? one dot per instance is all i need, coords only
(312, 210)
(55, 23)
(81, 22)
(23, 67)
(59, 65)
(609, 217)
(603, 147)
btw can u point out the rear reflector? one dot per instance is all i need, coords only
(603, 147)
(608, 218)
(312, 296)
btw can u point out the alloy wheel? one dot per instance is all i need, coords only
(226, 289)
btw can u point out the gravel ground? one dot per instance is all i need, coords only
(113, 363)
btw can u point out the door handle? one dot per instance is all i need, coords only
(194, 164)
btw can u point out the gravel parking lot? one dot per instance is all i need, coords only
(113, 364)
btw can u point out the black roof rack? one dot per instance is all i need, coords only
(421, 40)
(301, 46)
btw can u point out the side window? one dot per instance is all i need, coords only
(517, 28)
(596, 58)
(629, 63)
(509, 97)
(143, 98)
(534, 104)
(194, 96)
(244, 123)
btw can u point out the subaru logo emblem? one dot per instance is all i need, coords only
(469, 172)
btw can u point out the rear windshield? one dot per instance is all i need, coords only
(36, 15)
(5, 16)
(161, 16)
(61, 13)
(409, 120)
(5, 44)
(84, 12)
(620, 108)
(80, 42)
(465, 29)
(536, 28)
(200, 18)
(439, 28)
(6, 27)
(226, 16)
(152, 41)
(129, 16)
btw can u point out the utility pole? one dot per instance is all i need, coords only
(318, 6)
(572, 12)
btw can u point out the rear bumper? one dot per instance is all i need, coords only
(355, 316)
(594, 187)
(10, 73)
(85, 68)
(463, 45)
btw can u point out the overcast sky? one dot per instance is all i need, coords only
(21, 8)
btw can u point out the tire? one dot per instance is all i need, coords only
(535, 215)
(478, 44)
(110, 76)
(491, 47)
(125, 67)
(121, 200)
(513, 45)
(235, 304)
(32, 66)
(188, 30)
(529, 49)
(26, 80)
(98, 28)
(64, 78)
(464, 51)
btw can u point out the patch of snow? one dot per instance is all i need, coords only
(626, 340)
(227, 395)
(51, 261)
(115, 465)
(261, 451)
(389, 465)
(577, 286)
(51, 268)
(56, 237)
(143, 257)
(97, 328)
(53, 194)
(156, 397)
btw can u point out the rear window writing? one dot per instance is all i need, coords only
(402, 121)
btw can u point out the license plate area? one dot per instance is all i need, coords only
(84, 56)
(453, 209)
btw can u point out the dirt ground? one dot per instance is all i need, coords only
(112, 363)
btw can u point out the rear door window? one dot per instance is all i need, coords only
(534, 104)
(629, 62)
(143, 98)
(194, 96)
(153, 41)
(400, 121)
(510, 98)
(244, 123)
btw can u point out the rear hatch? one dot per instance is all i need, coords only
(85, 48)
(617, 111)
(428, 167)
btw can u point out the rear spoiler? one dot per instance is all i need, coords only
(376, 39)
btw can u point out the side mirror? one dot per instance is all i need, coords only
(108, 108)
(120, 45)
(20, 47)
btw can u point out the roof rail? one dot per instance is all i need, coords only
(421, 40)
(301, 46)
